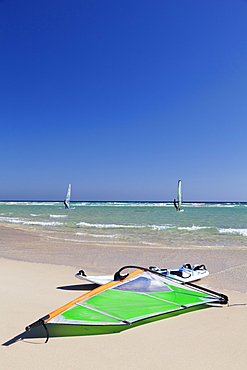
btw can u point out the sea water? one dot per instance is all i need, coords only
(197, 225)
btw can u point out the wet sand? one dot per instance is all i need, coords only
(227, 267)
(37, 276)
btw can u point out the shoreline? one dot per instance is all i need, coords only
(227, 267)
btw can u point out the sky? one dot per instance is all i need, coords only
(122, 98)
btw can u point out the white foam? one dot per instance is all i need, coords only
(28, 203)
(224, 205)
(42, 223)
(27, 222)
(124, 204)
(97, 235)
(106, 226)
(58, 216)
(193, 228)
(194, 204)
(162, 227)
(233, 231)
(80, 204)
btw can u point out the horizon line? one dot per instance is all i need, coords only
(123, 201)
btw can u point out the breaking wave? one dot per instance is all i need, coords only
(58, 216)
(242, 232)
(194, 228)
(110, 226)
(28, 222)
(97, 235)
(162, 227)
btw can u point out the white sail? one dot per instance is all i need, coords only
(67, 200)
(178, 202)
(179, 195)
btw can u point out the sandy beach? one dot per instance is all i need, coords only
(35, 280)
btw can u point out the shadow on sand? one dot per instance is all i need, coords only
(79, 287)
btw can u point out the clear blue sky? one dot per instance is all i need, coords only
(122, 98)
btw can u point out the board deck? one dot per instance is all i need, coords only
(186, 273)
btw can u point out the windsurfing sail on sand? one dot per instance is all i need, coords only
(178, 202)
(67, 200)
(130, 299)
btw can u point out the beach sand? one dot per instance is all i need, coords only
(211, 338)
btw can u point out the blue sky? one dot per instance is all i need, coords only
(122, 98)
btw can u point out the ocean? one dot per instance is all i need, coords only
(152, 224)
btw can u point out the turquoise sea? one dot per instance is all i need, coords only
(210, 225)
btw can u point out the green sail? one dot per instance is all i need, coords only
(131, 300)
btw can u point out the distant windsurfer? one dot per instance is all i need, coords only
(67, 199)
(175, 204)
